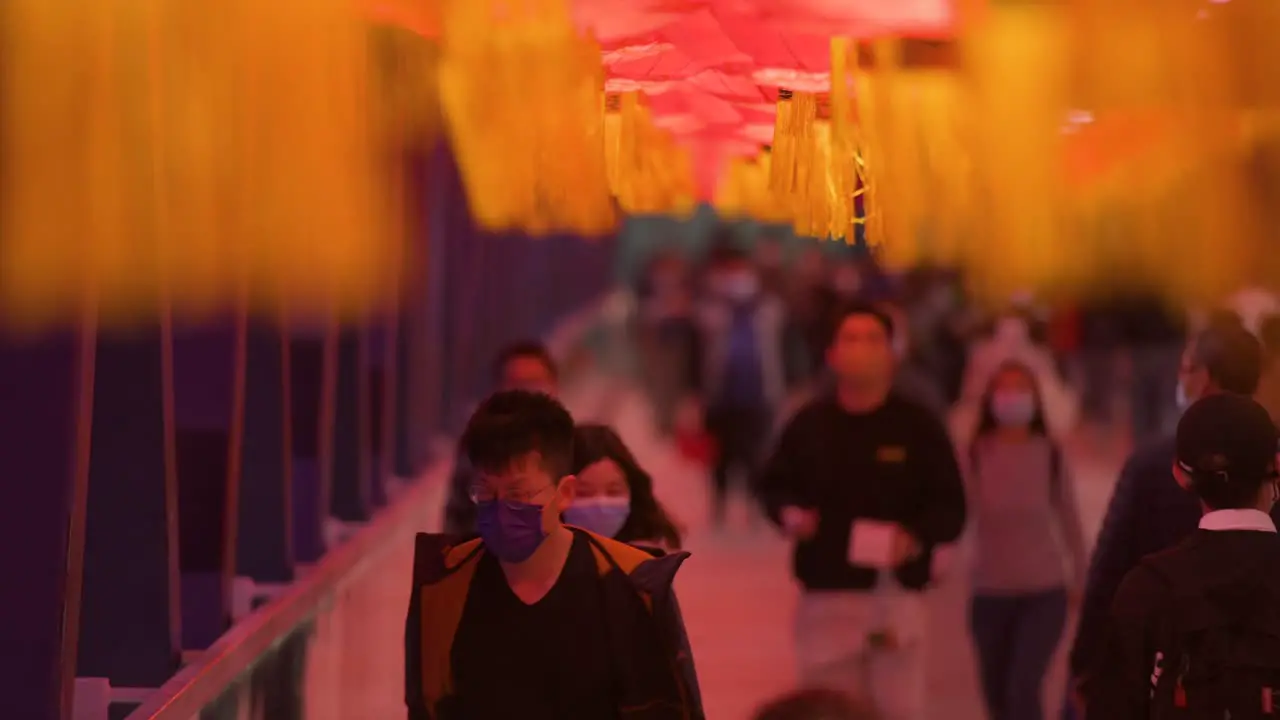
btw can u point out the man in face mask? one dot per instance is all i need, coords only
(866, 483)
(1149, 511)
(534, 619)
(523, 365)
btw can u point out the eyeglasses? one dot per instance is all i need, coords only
(484, 493)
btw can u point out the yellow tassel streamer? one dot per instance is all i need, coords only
(185, 153)
(744, 192)
(648, 172)
(521, 96)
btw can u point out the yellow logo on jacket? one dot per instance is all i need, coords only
(891, 454)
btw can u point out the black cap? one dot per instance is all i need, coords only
(1228, 437)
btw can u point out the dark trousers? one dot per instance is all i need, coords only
(1016, 636)
(741, 435)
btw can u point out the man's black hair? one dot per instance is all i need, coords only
(859, 308)
(1231, 355)
(1226, 444)
(511, 424)
(524, 349)
(815, 704)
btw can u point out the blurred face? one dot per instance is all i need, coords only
(602, 479)
(1013, 398)
(530, 373)
(809, 265)
(846, 279)
(861, 353)
(738, 280)
(769, 253)
(668, 272)
(527, 482)
(1193, 379)
(602, 499)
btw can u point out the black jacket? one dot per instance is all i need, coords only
(895, 464)
(631, 581)
(1141, 627)
(1148, 512)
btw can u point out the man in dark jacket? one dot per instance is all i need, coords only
(1220, 582)
(520, 366)
(535, 619)
(1149, 511)
(866, 483)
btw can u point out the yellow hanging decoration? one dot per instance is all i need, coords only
(908, 141)
(1186, 76)
(407, 74)
(521, 93)
(1016, 62)
(185, 154)
(822, 201)
(806, 172)
(792, 133)
(649, 173)
(744, 191)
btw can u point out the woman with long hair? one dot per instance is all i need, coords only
(1029, 553)
(614, 495)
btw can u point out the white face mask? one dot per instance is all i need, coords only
(1013, 409)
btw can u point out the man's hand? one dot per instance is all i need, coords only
(800, 523)
(905, 547)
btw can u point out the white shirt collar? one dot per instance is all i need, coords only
(1237, 519)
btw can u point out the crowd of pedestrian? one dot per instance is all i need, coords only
(877, 421)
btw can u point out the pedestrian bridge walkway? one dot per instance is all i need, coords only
(337, 634)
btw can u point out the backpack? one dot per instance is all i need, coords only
(1223, 658)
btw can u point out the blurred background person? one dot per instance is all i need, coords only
(614, 495)
(524, 365)
(1268, 394)
(1028, 554)
(1156, 335)
(1011, 339)
(770, 257)
(743, 378)
(666, 335)
(807, 300)
(866, 485)
(1100, 338)
(912, 377)
(1148, 511)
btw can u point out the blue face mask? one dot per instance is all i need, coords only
(602, 516)
(511, 530)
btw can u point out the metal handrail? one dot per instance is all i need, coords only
(196, 686)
